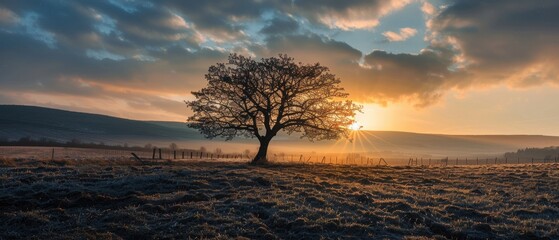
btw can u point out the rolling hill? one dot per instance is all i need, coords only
(38, 122)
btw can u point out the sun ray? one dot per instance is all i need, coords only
(381, 139)
(370, 143)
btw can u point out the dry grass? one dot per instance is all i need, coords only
(123, 199)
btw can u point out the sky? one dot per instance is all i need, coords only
(432, 66)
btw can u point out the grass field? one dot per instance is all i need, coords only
(122, 199)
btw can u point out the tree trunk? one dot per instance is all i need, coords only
(260, 157)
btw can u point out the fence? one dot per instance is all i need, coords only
(371, 161)
(58, 153)
(179, 154)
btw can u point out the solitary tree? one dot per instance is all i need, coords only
(250, 98)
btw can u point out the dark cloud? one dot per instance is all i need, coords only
(380, 76)
(101, 25)
(104, 48)
(26, 64)
(474, 43)
(221, 19)
(66, 19)
(281, 25)
(421, 78)
(153, 26)
(510, 41)
(312, 48)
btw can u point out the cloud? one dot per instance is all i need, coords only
(29, 66)
(311, 48)
(149, 54)
(7, 17)
(220, 20)
(281, 25)
(420, 78)
(471, 45)
(381, 77)
(404, 34)
(345, 15)
(512, 42)
(428, 8)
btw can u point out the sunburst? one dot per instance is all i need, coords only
(355, 126)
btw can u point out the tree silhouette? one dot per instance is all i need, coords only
(250, 98)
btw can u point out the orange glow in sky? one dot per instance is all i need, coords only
(415, 66)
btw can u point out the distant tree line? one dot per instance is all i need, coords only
(77, 143)
(539, 153)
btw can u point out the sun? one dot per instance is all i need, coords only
(355, 126)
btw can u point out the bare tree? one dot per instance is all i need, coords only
(250, 98)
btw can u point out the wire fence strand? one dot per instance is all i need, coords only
(63, 153)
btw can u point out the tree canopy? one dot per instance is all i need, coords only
(250, 98)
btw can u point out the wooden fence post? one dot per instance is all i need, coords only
(153, 157)
(52, 155)
(382, 160)
(136, 157)
(160, 154)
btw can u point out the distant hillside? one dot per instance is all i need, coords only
(38, 122)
